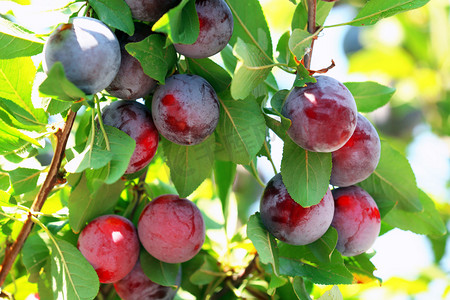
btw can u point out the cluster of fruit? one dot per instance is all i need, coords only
(324, 119)
(169, 228)
(185, 110)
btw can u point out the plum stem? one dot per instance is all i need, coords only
(312, 6)
(11, 252)
(266, 147)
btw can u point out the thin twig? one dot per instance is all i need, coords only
(51, 180)
(236, 282)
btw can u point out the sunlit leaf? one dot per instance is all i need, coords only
(16, 78)
(57, 86)
(369, 95)
(376, 10)
(252, 69)
(263, 241)
(16, 41)
(72, 275)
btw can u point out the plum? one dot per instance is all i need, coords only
(323, 115)
(110, 243)
(288, 221)
(356, 219)
(216, 28)
(150, 10)
(186, 109)
(134, 119)
(359, 157)
(88, 50)
(137, 286)
(171, 229)
(131, 82)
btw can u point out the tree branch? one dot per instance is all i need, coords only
(236, 282)
(11, 252)
(312, 6)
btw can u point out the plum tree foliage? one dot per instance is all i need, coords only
(156, 114)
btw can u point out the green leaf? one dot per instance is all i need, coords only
(208, 272)
(276, 127)
(72, 274)
(285, 55)
(189, 165)
(12, 139)
(277, 103)
(94, 156)
(54, 106)
(241, 128)
(219, 79)
(35, 253)
(299, 42)
(122, 148)
(229, 60)
(376, 10)
(303, 77)
(16, 78)
(252, 69)
(369, 95)
(301, 261)
(6, 199)
(16, 41)
(159, 272)
(115, 13)
(224, 175)
(362, 268)
(333, 294)
(250, 26)
(300, 17)
(323, 247)
(393, 183)
(276, 282)
(180, 23)
(322, 11)
(24, 180)
(156, 59)
(263, 241)
(87, 202)
(305, 174)
(4, 180)
(57, 86)
(428, 221)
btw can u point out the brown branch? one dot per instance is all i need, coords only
(11, 252)
(312, 6)
(236, 282)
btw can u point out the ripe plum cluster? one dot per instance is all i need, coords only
(170, 228)
(185, 110)
(324, 119)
